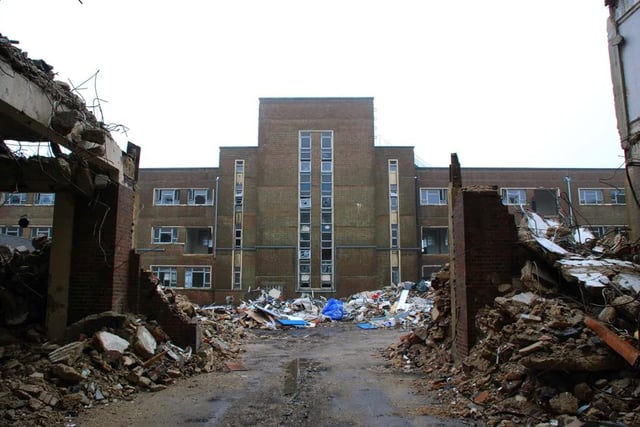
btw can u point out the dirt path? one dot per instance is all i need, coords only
(325, 376)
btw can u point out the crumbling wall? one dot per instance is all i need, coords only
(167, 311)
(101, 253)
(484, 241)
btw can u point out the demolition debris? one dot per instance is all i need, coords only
(559, 346)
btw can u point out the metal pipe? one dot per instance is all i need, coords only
(615, 342)
(416, 184)
(215, 221)
(568, 181)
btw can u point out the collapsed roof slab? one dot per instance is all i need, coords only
(26, 110)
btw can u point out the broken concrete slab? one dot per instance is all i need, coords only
(111, 342)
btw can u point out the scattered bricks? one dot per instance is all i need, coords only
(128, 361)
(481, 397)
(564, 403)
(33, 390)
(174, 373)
(421, 333)
(49, 399)
(66, 373)
(35, 404)
(73, 400)
(157, 387)
(110, 357)
(138, 379)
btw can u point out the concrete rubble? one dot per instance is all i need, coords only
(105, 357)
(558, 346)
(389, 307)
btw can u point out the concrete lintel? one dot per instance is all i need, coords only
(25, 115)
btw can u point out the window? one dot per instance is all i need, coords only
(10, 231)
(394, 203)
(433, 196)
(512, 196)
(591, 196)
(618, 197)
(395, 275)
(326, 140)
(435, 240)
(394, 235)
(36, 232)
(197, 277)
(200, 196)
(393, 166)
(393, 189)
(47, 199)
(597, 230)
(168, 276)
(15, 198)
(165, 234)
(237, 277)
(167, 196)
(305, 140)
(198, 241)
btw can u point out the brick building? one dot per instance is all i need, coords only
(317, 207)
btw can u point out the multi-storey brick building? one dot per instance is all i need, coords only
(316, 207)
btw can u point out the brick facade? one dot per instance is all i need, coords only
(101, 253)
(484, 241)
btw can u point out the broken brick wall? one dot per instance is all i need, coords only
(101, 254)
(484, 241)
(181, 330)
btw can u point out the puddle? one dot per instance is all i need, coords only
(292, 374)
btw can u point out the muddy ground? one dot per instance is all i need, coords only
(326, 376)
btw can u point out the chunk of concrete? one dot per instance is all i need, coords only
(111, 342)
(144, 343)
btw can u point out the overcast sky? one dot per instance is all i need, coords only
(502, 83)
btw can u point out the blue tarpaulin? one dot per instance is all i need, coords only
(333, 309)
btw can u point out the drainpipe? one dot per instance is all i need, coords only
(568, 181)
(215, 221)
(416, 184)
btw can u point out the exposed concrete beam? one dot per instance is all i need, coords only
(26, 110)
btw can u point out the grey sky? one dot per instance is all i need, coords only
(502, 83)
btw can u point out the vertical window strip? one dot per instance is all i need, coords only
(304, 210)
(238, 201)
(326, 212)
(394, 226)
